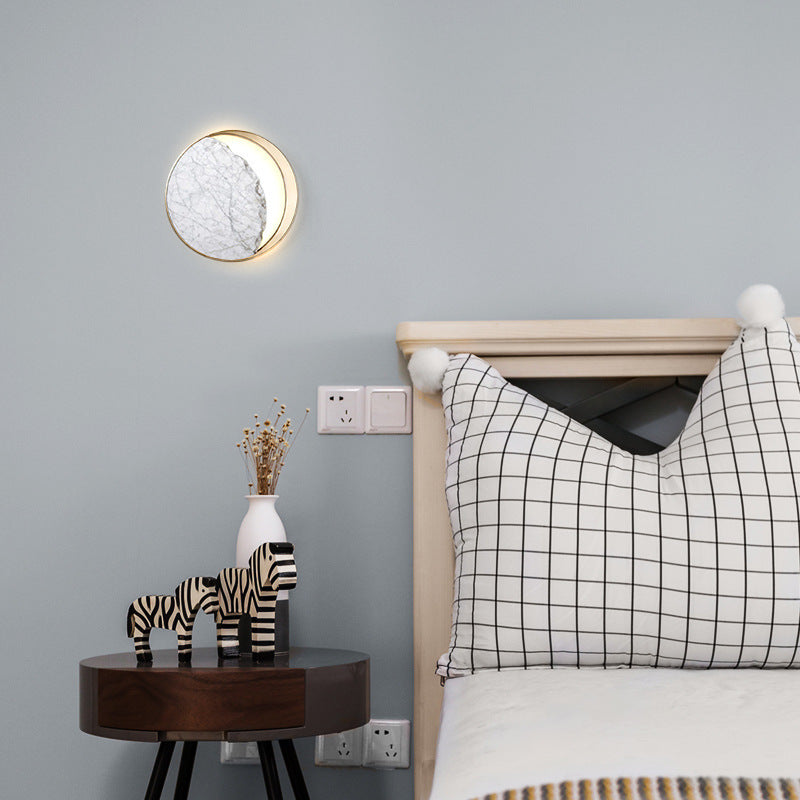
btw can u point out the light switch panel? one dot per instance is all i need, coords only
(388, 409)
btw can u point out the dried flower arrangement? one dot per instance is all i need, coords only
(265, 446)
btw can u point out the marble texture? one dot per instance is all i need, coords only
(216, 202)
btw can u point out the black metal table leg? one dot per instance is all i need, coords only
(293, 768)
(160, 769)
(185, 770)
(270, 770)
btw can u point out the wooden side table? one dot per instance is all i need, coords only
(308, 692)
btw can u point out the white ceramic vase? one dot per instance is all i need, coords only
(262, 524)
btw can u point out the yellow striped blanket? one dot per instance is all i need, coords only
(659, 789)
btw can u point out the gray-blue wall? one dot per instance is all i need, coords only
(456, 160)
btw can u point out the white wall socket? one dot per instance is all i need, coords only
(381, 744)
(239, 753)
(340, 409)
(387, 743)
(343, 749)
(359, 409)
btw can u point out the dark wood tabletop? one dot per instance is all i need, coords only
(308, 692)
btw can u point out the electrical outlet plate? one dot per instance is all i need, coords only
(239, 753)
(387, 743)
(340, 409)
(343, 749)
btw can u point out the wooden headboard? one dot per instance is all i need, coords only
(538, 349)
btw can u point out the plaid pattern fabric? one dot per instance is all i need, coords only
(658, 789)
(571, 551)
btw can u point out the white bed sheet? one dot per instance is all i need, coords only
(505, 730)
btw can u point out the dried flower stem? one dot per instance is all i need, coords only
(264, 449)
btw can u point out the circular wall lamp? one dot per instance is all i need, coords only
(231, 196)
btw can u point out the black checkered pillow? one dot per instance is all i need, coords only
(571, 551)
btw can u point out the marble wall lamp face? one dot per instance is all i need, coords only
(231, 196)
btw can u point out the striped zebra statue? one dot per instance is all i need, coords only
(254, 592)
(175, 612)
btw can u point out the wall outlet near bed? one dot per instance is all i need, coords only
(387, 743)
(239, 753)
(340, 409)
(343, 749)
(381, 744)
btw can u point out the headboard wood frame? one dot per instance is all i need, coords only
(529, 349)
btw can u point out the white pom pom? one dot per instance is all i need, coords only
(760, 306)
(427, 367)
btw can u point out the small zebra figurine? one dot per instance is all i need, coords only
(254, 591)
(174, 612)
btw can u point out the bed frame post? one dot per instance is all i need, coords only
(433, 582)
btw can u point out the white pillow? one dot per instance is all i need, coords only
(572, 551)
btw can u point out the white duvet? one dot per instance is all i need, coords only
(505, 730)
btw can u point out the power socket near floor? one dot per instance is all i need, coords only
(343, 749)
(387, 743)
(381, 744)
(239, 753)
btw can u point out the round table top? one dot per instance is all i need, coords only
(206, 658)
(307, 692)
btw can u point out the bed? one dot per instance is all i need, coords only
(471, 763)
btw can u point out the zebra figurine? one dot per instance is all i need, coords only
(254, 591)
(174, 612)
